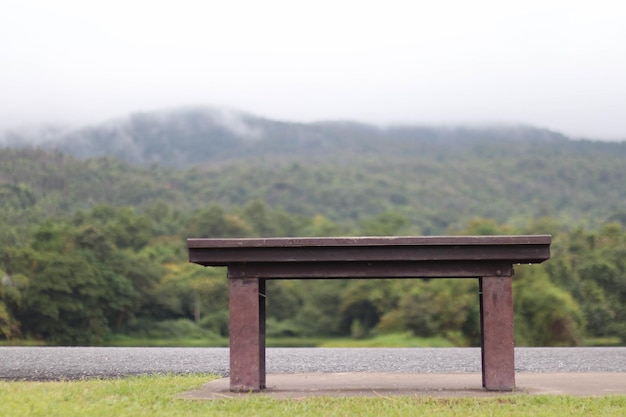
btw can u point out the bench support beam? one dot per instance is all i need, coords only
(496, 319)
(247, 334)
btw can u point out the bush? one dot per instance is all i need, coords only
(217, 323)
(283, 328)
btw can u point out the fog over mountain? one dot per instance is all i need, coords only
(195, 135)
(436, 176)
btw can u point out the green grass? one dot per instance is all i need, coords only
(387, 340)
(602, 341)
(22, 342)
(125, 341)
(390, 340)
(294, 341)
(155, 396)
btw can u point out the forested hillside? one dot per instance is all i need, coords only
(93, 224)
(437, 178)
(182, 138)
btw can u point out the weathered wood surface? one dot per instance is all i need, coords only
(250, 262)
(510, 249)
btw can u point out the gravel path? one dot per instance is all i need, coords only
(46, 363)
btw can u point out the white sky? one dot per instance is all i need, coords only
(551, 63)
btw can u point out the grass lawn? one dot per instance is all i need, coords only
(405, 339)
(155, 396)
(389, 340)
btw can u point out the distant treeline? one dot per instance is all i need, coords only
(95, 245)
(580, 185)
(108, 270)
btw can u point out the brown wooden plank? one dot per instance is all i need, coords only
(247, 335)
(497, 334)
(346, 270)
(515, 249)
(229, 255)
(369, 241)
(251, 261)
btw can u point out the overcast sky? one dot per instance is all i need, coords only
(551, 63)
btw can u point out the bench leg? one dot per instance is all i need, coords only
(496, 319)
(247, 334)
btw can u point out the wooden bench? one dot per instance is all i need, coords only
(250, 262)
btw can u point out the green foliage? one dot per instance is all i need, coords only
(90, 246)
(123, 226)
(283, 299)
(443, 307)
(321, 300)
(389, 223)
(592, 268)
(321, 226)
(168, 329)
(10, 300)
(155, 396)
(545, 315)
(9, 327)
(399, 339)
(79, 282)
(418, 180)
(213, 222)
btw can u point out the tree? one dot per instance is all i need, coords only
(321, 300)
(363, 304)
(444, 307)
(591, 267)
(123, 226)
(545, 315)
(64, 299)
(388, 223)
(10, 299)
(80, 284)
(604, 267)
(322, 226)
(213, 222)
(265, 222)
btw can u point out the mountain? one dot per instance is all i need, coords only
(184, 137)
(437, 177)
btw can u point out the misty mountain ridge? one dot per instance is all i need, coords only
(198, 135)
(438, 178)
